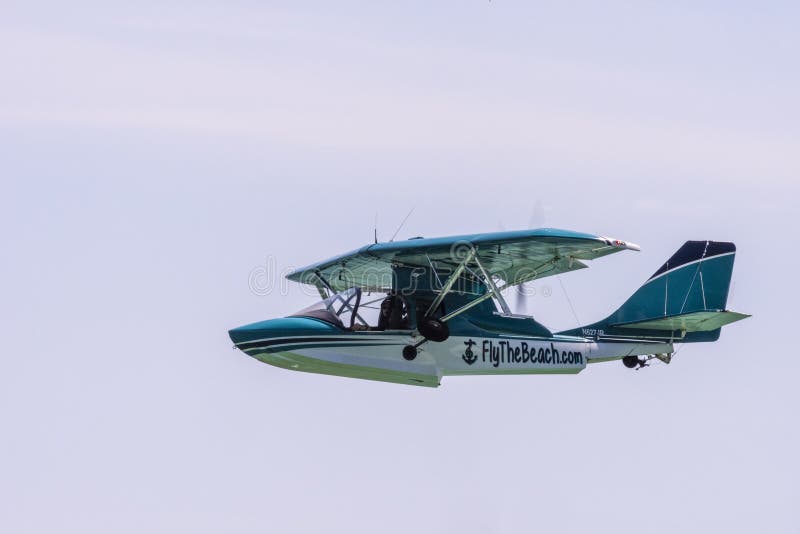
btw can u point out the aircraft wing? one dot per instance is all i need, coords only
(515, 257)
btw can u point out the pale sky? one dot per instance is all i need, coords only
(156, 154)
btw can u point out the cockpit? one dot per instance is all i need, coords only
(353, 310)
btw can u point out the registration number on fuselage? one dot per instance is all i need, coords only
(592, 332)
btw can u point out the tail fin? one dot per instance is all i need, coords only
(684, 300)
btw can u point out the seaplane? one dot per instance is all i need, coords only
(414, 311)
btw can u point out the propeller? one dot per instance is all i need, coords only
(536, 220)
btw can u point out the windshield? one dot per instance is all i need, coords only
(339, 309)
(350, 309)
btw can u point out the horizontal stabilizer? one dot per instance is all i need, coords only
(699, 321)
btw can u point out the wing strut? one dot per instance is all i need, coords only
(448, 285)
(493, 290)
(433, 329)
(493, 287)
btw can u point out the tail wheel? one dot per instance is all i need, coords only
(630, 361)
(635, 362)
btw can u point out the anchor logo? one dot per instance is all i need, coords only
(469, 356)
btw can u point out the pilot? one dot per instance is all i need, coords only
(394, 313)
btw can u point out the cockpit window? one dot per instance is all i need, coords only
(339, 309)
(351, 309)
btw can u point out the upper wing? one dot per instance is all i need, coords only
(515, 257)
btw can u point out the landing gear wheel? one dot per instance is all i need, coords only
(630, 361)
(635, 362)
(409, 352)
(433, 329)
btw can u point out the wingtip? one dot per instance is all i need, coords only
(621, 244)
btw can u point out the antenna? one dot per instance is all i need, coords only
(376, 227)
(401, 225)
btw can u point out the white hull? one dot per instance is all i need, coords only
(378, 356)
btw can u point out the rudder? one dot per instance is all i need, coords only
(696, 278)
(683, 300)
